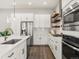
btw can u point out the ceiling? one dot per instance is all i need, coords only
(28, 3)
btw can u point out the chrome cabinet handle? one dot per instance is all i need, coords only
(74, 48)
(22, 51)
(56, 48)
(11, 55)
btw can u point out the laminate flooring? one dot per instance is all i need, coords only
(40, 52)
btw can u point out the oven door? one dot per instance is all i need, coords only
(70, 52)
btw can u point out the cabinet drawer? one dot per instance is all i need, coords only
(10, 55)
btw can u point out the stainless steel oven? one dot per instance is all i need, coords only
(70, 47)
(71, 20)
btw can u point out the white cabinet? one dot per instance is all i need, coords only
(42, 20)
(58, 48)
(10, 55)
(52, 45)
(40, 36)
(36, 20)
(45, 20)
(19, 52)
(55, 44)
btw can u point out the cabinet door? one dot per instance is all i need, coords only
(10, 55)
(43, 36)
(52, 45)
(22, 51)
(36, 37)
(36, 20)
(44, 20)
(58, 48)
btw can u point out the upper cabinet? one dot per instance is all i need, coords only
(42, 20)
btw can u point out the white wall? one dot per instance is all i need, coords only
(3, 19)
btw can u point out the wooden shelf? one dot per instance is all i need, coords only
(56, 26)
(56, 14)
(57, 35)
(55, 21)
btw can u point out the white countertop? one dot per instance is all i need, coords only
(5, 48)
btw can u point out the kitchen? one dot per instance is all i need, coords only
(32, 29)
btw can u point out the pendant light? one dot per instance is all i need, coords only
(14, 4)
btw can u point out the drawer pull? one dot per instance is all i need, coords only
(56, 48)
(11, 55)
(22, 51)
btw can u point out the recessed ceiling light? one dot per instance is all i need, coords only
(45, 3)
(29, 3)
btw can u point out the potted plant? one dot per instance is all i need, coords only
(6, 32)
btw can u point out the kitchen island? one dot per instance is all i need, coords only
(14, 51)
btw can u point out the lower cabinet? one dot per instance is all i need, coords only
(58, 48)
(55, 44)
(22, 51)
(40, 36)
(19, 52)
(10, 55)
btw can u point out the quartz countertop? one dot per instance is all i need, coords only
(5, 48)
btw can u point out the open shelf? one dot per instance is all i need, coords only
(55, 21)
(56, 24)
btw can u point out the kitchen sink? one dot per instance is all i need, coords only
(12, 41)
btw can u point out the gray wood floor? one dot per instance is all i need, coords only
(40, 52)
